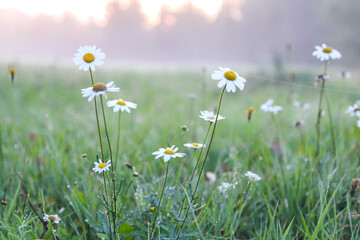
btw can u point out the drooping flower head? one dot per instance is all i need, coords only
(99, 89)
(325, 53)
(168, 153)
(270, 107)
(210, 116)
(102, 166)
(52, 218)
(229, 78)
(194, 145)
(121, 105)
(87, 57)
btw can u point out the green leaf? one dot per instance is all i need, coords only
(104, 223)
(126, 228)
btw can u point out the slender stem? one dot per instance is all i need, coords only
(106, 195)
(331, 126)
(161, 195)
(125, 197)
(319, 113)
(203, 164)
(113, 211)
(118, 142)
(106, 131)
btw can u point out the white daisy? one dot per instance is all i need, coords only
(225, 186)
(52, 218)
(229, 78)
(99, 89)
(301, 105)
(325, 53)
(270, 107)
(210, 116)
(101, 167)
(168, 153)
(194, 145)
(87, 57)
(353, 110)
(121, 105)
(252, 176)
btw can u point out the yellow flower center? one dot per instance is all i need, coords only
(102, 165)
(212, 117)
(152, 209)
(89, 57)
(12, 70)
(52, 218)
(230, 75)
(251, 110)
(195, 144)
(169, 151)
(98, 87)
(121, 102)
(356, 109)
(327, 50)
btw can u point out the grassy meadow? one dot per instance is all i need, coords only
(48, 135)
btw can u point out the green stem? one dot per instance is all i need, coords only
(161, 195)
(203, 164)
(331, 126)
(113, 207)
(118, 142)
(125, 197)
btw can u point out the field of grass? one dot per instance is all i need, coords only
(46, 129)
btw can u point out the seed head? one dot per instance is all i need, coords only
(135, 174)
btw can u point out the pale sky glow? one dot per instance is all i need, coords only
(96, 9)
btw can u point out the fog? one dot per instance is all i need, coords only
(259, 32)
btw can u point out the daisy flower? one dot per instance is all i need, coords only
(121, 105)
(270, 107)
(325, 53)
(101, 167)
(168, 153)
(252, 176)
(225, 186)
(210, 177)
(229, 78)
(87, 57)
(210, 116)
(52, 218)
(99, 89)
(353, 110)
(301, 105)
(345, 74)
(194, 145)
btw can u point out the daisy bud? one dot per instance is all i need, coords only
(135, 174)
(320, 79)
(128, 165)
(184, 128)
(3, 202)
(299, 124)
(12, 74)
(84, 155)
(250, 112)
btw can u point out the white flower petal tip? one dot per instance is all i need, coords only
(88, 57)
(269, 106)
(228, 78)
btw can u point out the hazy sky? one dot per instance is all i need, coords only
(84, 9)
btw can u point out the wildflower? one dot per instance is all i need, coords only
(194, 145)
(229, 78)
(270, 107)
(225, 186)
(250, 112)
(3, 202)
(99, 89)
(12, 74)
(353, 110)
(325, 53)
(121, 105)
(210, 116)
(101, 167)
(168, 153)
(52, 218)
(299, 124)
(152, 209)
(345, 74)
(252, 176)
(87, 57)
(135, 174)
(210, 177)
(301, 105)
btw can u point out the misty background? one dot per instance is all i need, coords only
(254, 32)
